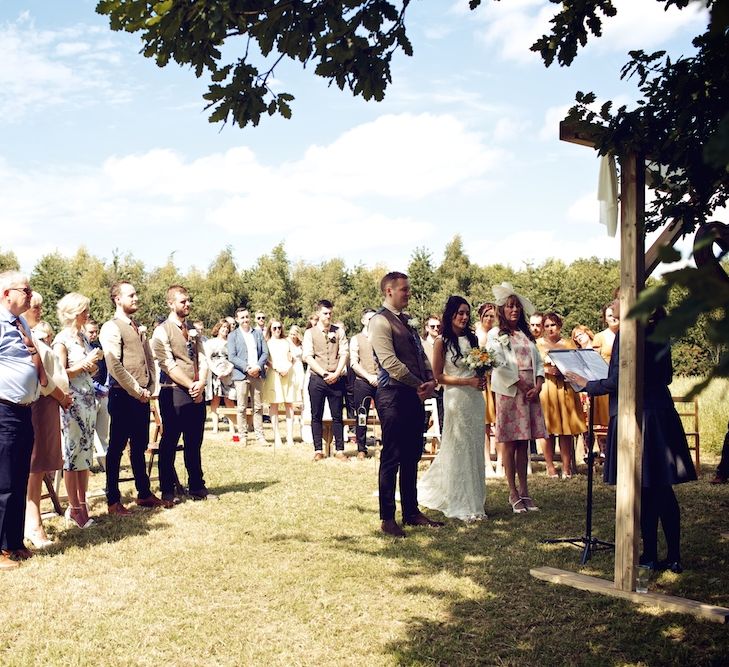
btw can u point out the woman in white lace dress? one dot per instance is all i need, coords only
(455, 482)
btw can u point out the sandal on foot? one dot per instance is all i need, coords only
(529, 504)
(518, 506)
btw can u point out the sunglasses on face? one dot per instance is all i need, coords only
(26, 290)
(275, 328)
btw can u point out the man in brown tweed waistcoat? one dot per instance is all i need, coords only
(405, 380)
(131, 369)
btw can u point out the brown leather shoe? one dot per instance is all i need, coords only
(390, 527)
(168, 502)
(8, 564)
(420, 519)
(119, 510)
(341, 456)
(17, 554)
(362, 456)
(150, 501)
(318, 456)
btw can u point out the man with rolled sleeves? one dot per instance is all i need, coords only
(404, 381)
(130, 365)
(21, 375)
(325, 352)
(183, 371)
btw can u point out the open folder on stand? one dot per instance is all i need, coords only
(587, 363)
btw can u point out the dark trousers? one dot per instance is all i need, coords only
(350, 401)
(129, 422)
(401, 415)
(333, 393)
(16, 446)
(362, 390)
(660, 504)
(181, 416)
(723, 467)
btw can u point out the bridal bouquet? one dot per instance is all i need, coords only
(480, 360)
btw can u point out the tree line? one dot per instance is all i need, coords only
(577, 291)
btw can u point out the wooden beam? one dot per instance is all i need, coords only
(582, 133)
(605, 587)
(630, 386)
(668, 237)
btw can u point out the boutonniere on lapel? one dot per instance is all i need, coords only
(142, 330)
(192, 333)
(413, 323)
(332, 336)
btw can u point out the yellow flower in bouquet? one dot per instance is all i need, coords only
(480, 360)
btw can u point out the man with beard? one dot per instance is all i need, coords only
(131, 369)
(183, 370)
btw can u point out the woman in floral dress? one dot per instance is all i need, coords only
(79, 422)
(516, 380)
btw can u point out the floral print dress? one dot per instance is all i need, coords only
(517, 418)
(79, 421)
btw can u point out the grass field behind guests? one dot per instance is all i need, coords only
(289, 568)
(713, 410)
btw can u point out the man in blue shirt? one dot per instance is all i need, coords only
(21, 373)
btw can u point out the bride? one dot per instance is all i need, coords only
(455, 482)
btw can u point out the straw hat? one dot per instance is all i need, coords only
(505, 290)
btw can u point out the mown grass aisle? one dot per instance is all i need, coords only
(289, 567)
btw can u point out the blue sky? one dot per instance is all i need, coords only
(100, 147)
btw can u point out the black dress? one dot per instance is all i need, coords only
(666, 457)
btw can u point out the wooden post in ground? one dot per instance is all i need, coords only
(630, 407)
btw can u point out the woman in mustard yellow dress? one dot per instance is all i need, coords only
(603, 343)
(563, 414)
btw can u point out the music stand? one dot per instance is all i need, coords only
(589, 364)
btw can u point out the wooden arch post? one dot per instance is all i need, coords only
(635, 266)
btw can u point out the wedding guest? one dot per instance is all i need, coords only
(536, 326)
(455, 482)
(260, 323)
(200, 326)
(279, 385)
(21, 376)
(562, 410)
(183, 371)
(364, 366)
(101, 387)
(297, 354)
(404, 381)
(46, 456)
(248, 352)
(603, 343)
(487, 319)
(666, 458)
(220, 378)
(516, 380)
(582, 337)
(79, 423)
(129, 359)
(325, 352)
(432, 331)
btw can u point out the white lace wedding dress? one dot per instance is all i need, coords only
(455, 482)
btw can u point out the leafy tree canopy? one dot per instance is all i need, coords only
(349, 42)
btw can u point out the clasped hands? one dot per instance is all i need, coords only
(530, 391)
(426, 390)
(197, 391)
(477, 381)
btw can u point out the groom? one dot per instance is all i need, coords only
(405, 380)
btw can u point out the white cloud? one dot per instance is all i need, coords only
(512, 27)
(41, 69)
(152, 203)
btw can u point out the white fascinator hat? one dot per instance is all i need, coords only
(505, 290)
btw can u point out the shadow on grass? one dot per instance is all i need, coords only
(244, 487)
(512, 618)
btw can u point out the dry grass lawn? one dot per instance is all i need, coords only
(288, 568)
